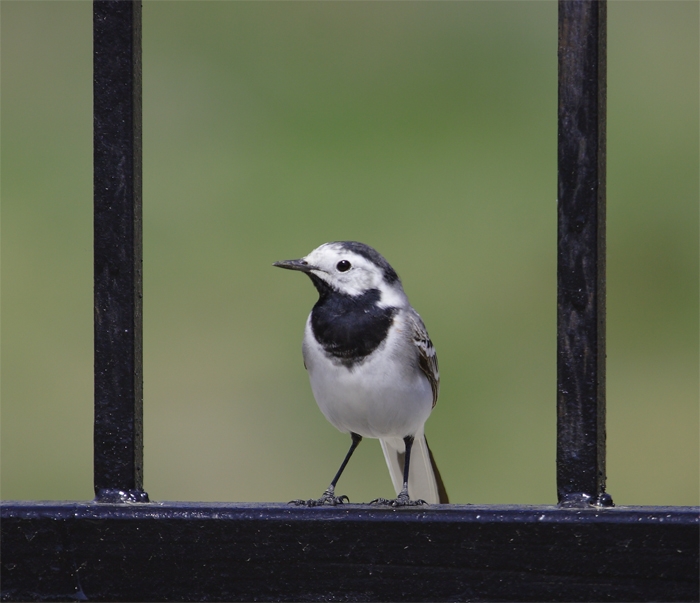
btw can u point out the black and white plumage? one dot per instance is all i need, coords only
(372, 366)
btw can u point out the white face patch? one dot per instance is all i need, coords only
(331, 261)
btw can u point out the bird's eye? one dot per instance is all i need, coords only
(343, 266)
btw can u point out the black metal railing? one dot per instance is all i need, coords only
(581, 255)
(118, 252)
(120, 547)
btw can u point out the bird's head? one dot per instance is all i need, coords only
(350, 268)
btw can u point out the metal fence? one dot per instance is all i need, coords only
(121, 547)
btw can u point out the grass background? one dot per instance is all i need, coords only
(425, 129)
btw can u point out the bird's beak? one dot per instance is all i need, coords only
(301, 265)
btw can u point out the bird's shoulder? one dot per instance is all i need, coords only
(427, 356)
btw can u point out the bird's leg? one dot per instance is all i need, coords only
(329, 497)
(403, 499)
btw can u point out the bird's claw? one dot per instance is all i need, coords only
(327, 498)
(402, 500)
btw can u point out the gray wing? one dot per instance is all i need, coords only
(427, 358)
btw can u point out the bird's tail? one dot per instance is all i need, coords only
(424, 479)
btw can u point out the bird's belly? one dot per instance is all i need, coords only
(372, 399)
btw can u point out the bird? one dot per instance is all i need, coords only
(372, 367)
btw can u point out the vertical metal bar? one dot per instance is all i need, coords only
(118, 434)
(581, 254)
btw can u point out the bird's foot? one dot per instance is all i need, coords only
(402, 500)
(327, 498)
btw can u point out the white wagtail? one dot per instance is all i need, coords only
(373, 369)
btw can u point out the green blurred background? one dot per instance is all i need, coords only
(427, 130)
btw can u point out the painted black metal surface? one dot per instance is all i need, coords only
(118, 461)
(581, 254)
(239, 552)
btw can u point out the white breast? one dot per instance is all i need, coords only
(386, 395)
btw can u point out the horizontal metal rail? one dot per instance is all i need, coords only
(252, 552)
